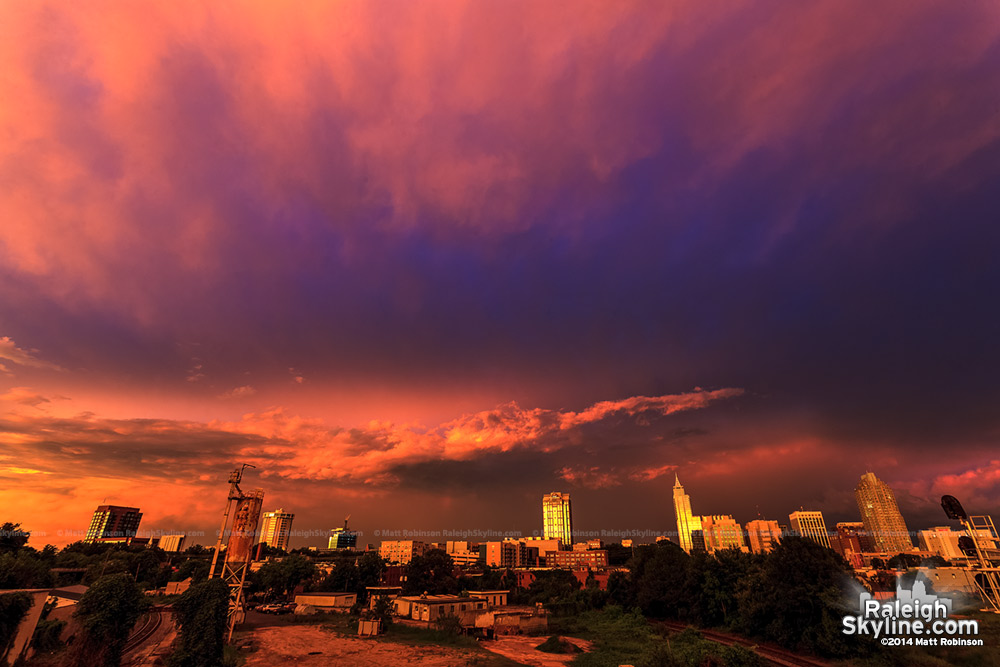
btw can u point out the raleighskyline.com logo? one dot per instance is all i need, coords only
(912, 618)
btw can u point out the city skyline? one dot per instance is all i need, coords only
(715, 532)
(418, 275)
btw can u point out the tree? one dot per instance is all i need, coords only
(195, 568)
(201, 614)
(24, 568)
(935, 561)
(618, 554)
(713, 583)
(432, 572)
(796, 599)
(12, 537)
(658, 575)
(382, 611)
(13, 608)
(553, 588)
(371, 567)
(107, 612)
(281, 577)
(620, 590)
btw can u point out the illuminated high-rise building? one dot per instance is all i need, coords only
(342, 538)
(557, 517)
(810, 525)
(763, 535)
(171, 543)
(686, 522)
(112, 523)
(880, 515)
(276, 528)
(721, 532)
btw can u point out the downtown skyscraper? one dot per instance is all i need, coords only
(276, 528)
(557, 517)
(685, 521)
(880, 515)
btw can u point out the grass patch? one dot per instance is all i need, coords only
(622, 638)
(397, 633)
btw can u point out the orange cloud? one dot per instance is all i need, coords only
(12, 353)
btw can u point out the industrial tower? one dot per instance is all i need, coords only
(246, 516)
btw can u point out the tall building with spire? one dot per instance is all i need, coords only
(686, 522)
(880, 515)
(557, 517)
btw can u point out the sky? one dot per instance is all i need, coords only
(421, 263)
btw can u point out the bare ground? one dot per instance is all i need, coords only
(311, 646)
(522, 649)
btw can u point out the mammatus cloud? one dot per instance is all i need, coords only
(11, 352)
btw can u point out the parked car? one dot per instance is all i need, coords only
(275, 609)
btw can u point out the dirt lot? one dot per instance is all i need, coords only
(522, 650)
(310, 646)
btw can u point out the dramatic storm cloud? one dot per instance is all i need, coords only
(432, 260)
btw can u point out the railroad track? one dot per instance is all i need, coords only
(149, 625)
(773, 654)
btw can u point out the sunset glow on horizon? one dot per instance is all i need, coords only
(421, 263)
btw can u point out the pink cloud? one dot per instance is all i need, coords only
(591, 478)
(237, 393)
(27, 396)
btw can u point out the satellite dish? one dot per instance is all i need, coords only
(953, 508)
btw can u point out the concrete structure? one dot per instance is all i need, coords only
(21, 645)
(847, 542)
(698, 545)
(401, 552)
(462, 553)
(172, 543)
(951, 580)
(686, 522)
(721, 532)
(342, 538)
(763, 535)
(430, 608)
(543, 545)
(177, 587)
(810, 524)
(493, 598)
(880, 515)
(575, 560)
(276, 528)
(504, 621)
(327, 601)
(557, 517)
(113, 523)
(943, 541)
(510, 553)
(376, 592)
